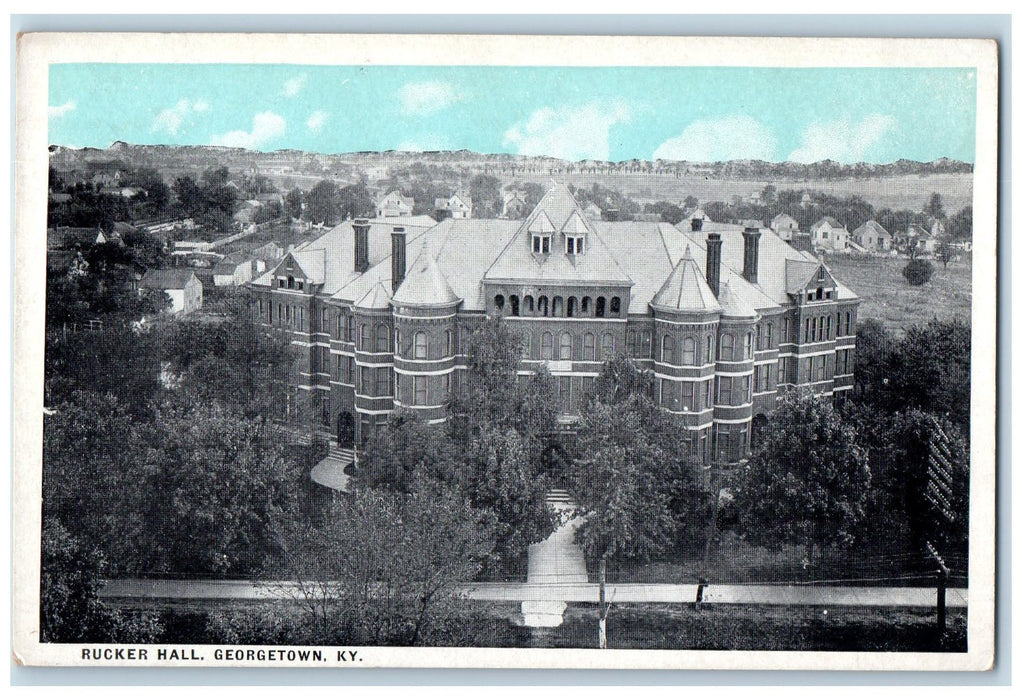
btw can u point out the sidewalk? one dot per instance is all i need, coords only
(555, 565)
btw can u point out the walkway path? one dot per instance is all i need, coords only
(330, 471)
(555, 563)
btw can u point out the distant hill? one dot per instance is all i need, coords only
(350, 165)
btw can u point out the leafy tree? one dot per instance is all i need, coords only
(691, 202)
(945, 252)
(293, 202)
(807, 482)
(355, 201)
(485, 193)
(768, 195)
(385, 567)
(934, 207)
(190, 196)
(918, 271)
(157, 192)
(321, 204)
(69, 606)
(936, 362)
(960, 225)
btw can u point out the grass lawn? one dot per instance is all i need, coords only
(887, 295)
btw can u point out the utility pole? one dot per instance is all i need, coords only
(942, 574)
(603, 602)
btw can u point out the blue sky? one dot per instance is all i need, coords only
(692, 113)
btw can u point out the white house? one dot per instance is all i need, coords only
(394, 204)
(234, 270)
(784, 226)
(181, 285)
(457, 206)
(829, 234)
(872, 236)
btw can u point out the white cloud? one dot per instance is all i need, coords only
(732, 137)
(55, 111)
(428, 97)
(842, 140)
(172, 118)
(572, 133)
(266, 126)
(317, 119)
(293, 86)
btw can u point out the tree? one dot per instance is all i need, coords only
(190, 196)
(69, 607)
(321, 204)
(485, 193)
(385, 568)
(918, 271)
(807, 482)
(934, 207)
(632, 476)
(945, 252)
(768, 195)
(293, 204)
(935, 377)
(960, 225)
(691, 202)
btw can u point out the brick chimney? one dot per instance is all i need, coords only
(397, 258)
(750, 270)
(713, 248)
(697, 224)
(361, 228)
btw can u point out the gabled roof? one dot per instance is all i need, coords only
(310, 262)
(425, 284)
(169, 278)
(834, 223)
(783, 218)
(555, 210)
(574, 225)
(733, 302)
(871, 225)
(800, 274)
(686, 288)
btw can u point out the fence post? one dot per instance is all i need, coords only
(603, 602)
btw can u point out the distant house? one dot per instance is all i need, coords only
(872, 236)
(394, 204)
(247, 210)
(592, 212)
(923, 241)
(514, 206)
(784, 226)
(698, 213)
(232, 271)
(71, 237)
(265, 257)
(829, 234)
(457, 206)
(181, 285)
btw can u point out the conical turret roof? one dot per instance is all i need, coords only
(733, 304)
(376, 298)
(425, 284)
(686, 288)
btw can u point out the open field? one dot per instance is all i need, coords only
(886, 294)
(899, 192)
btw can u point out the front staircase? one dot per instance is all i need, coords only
(332, 470)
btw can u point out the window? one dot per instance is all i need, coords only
(421, 345)
(848, 323)
(782, 370)
(280, 282)
(589, 347)
(587, 306)
(709, 349)
(366, 383)
(633, 344)
(530, 304)
(564, 392)
(527, 345)
(565, 346)
(812, 335)
(543, 307)
(615, 305)
(759, 374)
(601, 307)
(514, 305)
(449, 342)
(806, 337)
(787, 330)
(547, 346)
(290, 282)
(349, 334)
(419, 386)
(747, 355)
(571, 306)
(839, 324)
(708, 394)
(382, 381)
(540, 244)
(364, 344)
(498, 302)
(397, 342)
(759, 337)
(688, 396)
(447, 385)
(724, 385)
(828, 336)
(819, 369)
(607, 346)
(558, 307)
(350, 374)
(382, 338)
(769, 339)
(574, 245)
(743, 387)
(298, 285)
(727, 347)
(647, 344)
(667, 349)
(688, 353)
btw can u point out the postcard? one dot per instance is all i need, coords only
(352, 351)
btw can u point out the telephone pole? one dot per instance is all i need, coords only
(603, 602)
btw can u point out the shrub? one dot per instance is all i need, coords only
(918, 271)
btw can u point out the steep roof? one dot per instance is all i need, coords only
(783, 218)
(169, 278)
(425, 284)
(871, 225)
(376, 298)
(556, 211)
(827, 220)
(733, 302)
(686, 288)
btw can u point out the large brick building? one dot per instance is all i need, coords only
(724, 316)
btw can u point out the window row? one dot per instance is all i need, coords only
(820, 328)
(557, 306)
(582, 348)
(734, 391)
(691, 396)
(286, 314)
(290, 282)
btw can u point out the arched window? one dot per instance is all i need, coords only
(601, 307)
(449, 342)
(543, 307)
(667, 349)
(769, 335)
(839, 323)
(565, 346)
(571, 306)
(587, 306)
(365, 346)
(848, 323)
(514, 305)
(530, 305)
(527, 344)
(806, 335)
(607, 347)
(498, 302)
(350, 332)
(421, 345)
(589, 347)
(632, 341)
(397, 341)
(727, 347)
(546, 349)
(759, 337)
(828, 337)
(558, 307)
(382, 338)
(615, 305)
(647, 344)
(709, 348)
(688, 351)
(747, 355)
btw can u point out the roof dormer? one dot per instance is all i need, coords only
(574, 231)
(541, 231)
